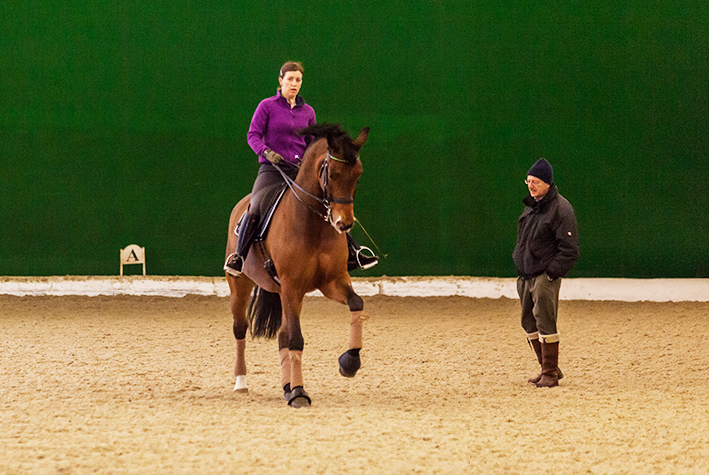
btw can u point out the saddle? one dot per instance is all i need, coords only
(270, 200)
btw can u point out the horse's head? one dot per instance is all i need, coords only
(338, 167)
(339, 174)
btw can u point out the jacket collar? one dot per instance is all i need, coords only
(298, 100)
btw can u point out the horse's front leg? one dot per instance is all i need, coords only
(284, 357)
(344, 293)
(290, 337)
(240, 288)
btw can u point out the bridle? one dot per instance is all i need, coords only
(323, 176)
(327, 198)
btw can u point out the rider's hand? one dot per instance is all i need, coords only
(272, 156)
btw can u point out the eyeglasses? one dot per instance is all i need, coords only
(533, 182)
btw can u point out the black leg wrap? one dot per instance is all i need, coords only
(349, 363)
(355, 303)
(239, 331)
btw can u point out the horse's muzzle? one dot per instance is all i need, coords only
(342, 223)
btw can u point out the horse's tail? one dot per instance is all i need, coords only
(265, 313)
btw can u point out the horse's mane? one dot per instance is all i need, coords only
(335, 136)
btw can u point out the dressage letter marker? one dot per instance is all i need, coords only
(133, 254)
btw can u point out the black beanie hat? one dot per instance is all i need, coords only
(542, 170)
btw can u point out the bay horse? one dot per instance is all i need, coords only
(306, 243)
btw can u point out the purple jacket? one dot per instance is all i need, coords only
(275, 125)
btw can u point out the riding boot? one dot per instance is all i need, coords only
(356, 259)
(550, 363)
(245, 231)
(537, 347)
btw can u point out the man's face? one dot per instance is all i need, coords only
(537, 188)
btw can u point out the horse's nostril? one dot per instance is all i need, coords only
(342, 227)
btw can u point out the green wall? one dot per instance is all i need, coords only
(127, 123)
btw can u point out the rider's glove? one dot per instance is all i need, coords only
(272, 156)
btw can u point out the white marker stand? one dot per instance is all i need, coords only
(133, 254)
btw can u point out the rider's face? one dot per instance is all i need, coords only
(290, 84)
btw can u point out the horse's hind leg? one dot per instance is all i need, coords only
(240, 289)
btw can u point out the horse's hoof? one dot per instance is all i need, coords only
(299, 402)
(298, 398)
(349, 363)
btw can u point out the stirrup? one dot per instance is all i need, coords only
(233, 265)
(365, 262)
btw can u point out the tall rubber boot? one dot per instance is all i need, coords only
(356, 259)
(537, 347)
(550, 363)
(245, 231)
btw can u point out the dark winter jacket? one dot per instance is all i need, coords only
(546, 239)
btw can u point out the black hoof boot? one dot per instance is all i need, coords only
(299, 398)
(349, 363)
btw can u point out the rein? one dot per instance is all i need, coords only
(326, 199)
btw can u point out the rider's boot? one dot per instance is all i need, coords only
(245, 230)
(357, 259)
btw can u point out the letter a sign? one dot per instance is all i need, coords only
(133, 254)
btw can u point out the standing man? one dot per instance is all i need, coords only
(547, 248)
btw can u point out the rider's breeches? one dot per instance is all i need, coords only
(268, 176)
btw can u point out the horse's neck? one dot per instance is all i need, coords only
(308, 222)
(308, 175)
(302, 218)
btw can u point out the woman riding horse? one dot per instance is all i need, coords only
(306, 248)
(273, 135)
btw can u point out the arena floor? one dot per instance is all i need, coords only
(144, 385)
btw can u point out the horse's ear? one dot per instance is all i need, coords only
(362, 137)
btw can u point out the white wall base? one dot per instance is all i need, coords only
(627, 290)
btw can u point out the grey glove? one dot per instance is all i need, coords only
(272, 156)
